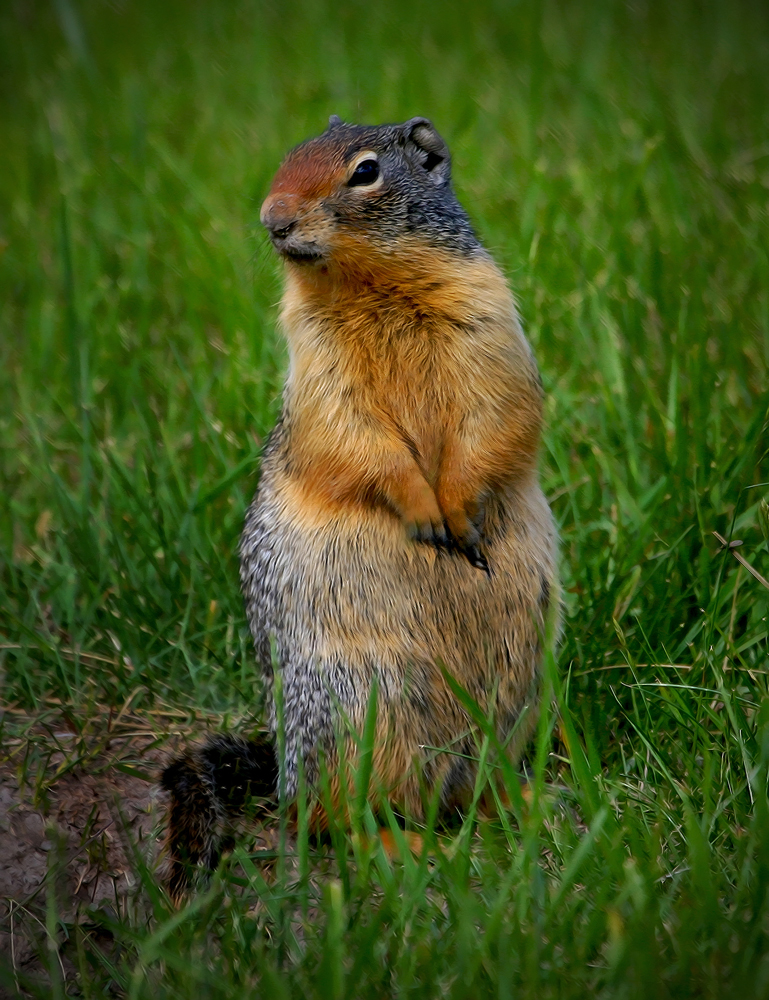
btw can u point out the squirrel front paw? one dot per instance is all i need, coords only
(431, 531)
(422, 517)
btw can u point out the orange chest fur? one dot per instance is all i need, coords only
(410, 360)
(412, 382)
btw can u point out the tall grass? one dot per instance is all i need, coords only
(614, 158)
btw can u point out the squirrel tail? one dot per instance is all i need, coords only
(211, 787)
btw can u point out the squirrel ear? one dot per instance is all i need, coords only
(334, 121)
(427, 149)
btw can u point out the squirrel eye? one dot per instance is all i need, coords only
(365, 173)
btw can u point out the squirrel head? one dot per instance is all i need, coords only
(357, 194)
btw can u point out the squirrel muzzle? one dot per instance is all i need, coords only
(279, 214)
(283, 217)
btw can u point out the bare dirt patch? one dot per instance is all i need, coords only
(81, 811)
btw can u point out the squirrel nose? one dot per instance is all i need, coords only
(279, 214)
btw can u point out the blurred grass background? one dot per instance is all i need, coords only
(615, 158)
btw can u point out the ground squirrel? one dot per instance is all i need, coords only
(399, 528)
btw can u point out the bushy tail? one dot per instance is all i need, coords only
(211, 787)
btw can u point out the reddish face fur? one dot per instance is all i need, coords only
(296, 212)
(312, 171)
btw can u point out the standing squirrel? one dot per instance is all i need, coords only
(399, 529)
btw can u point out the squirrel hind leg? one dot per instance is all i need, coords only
(209, 788)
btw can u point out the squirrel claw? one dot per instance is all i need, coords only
(476, 558)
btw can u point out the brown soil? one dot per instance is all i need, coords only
(80, 808)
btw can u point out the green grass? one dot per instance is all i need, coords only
(615, 159)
